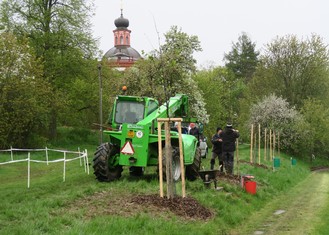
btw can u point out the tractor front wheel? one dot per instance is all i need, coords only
(105, 167)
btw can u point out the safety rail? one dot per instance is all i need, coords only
(80, 155)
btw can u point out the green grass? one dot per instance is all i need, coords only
(81, 205)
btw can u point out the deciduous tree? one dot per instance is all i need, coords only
(60, 34)
(295, 69)
(24, 95)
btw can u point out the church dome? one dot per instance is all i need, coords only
(121, 22)
(122, 52)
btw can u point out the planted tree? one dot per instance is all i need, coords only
(169, 71)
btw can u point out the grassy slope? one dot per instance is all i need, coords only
(301, 207)
(53, 207)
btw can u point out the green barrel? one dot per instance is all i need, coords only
(276, 162)
(293, 162)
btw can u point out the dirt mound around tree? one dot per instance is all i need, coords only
(186, 207)
(113, 203)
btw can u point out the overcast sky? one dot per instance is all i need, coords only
(217, 23)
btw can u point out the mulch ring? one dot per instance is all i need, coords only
(185, 207)
(114, 203)
(254, 164)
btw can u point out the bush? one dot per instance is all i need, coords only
(70, 136)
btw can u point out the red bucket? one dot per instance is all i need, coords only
(250, 187)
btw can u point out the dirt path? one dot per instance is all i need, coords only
(293, 213)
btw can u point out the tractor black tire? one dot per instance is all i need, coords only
(136, 171)
(175, 165)
(192, 171)
(101, 163)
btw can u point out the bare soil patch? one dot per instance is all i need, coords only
(185, 207)
(231, 179)
(108, 203)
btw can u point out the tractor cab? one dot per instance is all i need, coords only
(129, 112)
(131, 109)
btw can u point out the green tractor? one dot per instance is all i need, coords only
(133, 138)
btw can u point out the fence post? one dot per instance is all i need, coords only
(80, 158)
(86, 156)
(47, 156)
(64, 167)
(28, 170)
(11, 153)
(84, 163)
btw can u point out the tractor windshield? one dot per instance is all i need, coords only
(129, 112)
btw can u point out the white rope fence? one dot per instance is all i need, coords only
(82, 156)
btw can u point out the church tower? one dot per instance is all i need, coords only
(122, 55)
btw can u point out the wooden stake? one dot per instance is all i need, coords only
(279, 143)
(265, 157)
(270, 145)
(254, 156)
(258, 144)
(237, 156)
(168, 154)
(251, 141)
(181, 158)
(273, 143)
(160, 159)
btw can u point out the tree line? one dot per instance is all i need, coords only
(49, 77)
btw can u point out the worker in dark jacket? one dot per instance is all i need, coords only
(229, 136)
(216, 141)
(194, 131)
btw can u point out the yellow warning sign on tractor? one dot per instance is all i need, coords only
(131, 134)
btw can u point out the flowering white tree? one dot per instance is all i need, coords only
(276, 114)
(273, 112)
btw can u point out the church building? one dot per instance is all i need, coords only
(122, 55)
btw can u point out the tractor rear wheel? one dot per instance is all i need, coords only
(176, 171)
(192, 171)
(105, 167)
